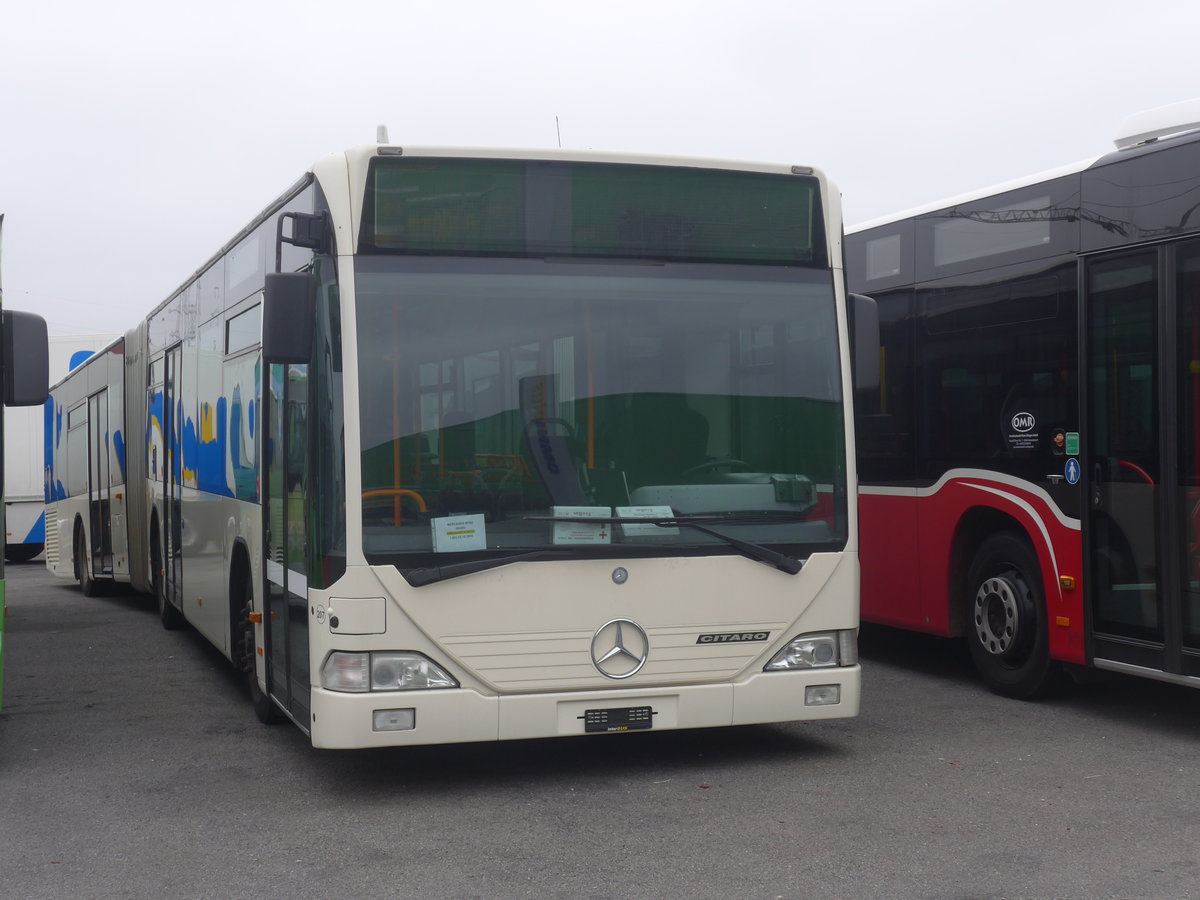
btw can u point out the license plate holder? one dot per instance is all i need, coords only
(618, 719)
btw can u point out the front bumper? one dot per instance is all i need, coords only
(342, 721)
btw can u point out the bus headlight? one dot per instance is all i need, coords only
(816, 651)
(383, 671)
(407, 672)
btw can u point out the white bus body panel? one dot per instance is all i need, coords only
(524, 662)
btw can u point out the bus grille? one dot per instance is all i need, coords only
(562, 661)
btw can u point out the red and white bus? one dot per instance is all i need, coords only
(1031, 464)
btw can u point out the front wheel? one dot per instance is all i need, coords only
(1006, 618)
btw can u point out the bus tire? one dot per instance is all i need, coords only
(171, 618)
(83, 572)
(1006, 625)
(264, 707)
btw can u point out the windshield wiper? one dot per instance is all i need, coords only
(756, 552)
(738, 517)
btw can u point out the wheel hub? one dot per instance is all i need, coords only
(996, 615)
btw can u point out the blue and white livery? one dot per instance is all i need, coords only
(27, 452)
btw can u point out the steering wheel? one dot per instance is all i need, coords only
(734, 465)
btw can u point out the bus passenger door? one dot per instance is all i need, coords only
(172, 512)
(1141, 467)
(286, 447)
(1186, 288)
(99, 561)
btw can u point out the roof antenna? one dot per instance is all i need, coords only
(381, 135)
(559, 131)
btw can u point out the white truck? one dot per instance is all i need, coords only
(25, 432)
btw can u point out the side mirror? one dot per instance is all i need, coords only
(310, 230)
(864, 342)
(26, 368)
(289, 311)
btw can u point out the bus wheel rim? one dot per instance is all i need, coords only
(996, 615)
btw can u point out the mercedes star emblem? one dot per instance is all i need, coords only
(620, 648)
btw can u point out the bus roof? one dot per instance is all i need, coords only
(585, 156)
(972, 196)
(1136, 131)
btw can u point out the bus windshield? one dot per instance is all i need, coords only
(501, 396)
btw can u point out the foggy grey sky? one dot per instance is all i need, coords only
(137, 137)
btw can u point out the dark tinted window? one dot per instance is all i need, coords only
(880, 258)
(1032, 223)
(885, 417)
(966, 307)
(996, 371)
(1142, 195)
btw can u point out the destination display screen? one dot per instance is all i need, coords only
(522, 208)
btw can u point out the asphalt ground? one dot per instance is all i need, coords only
(131, 766)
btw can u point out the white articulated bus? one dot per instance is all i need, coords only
(26, 439)
(462, 445)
